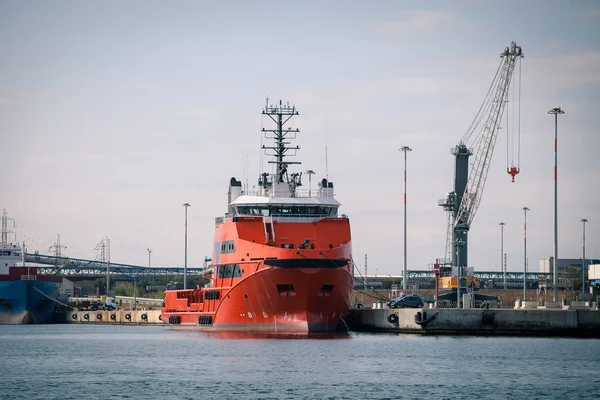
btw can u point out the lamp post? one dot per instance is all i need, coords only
(583, 221)
(555, 111)
(186, 205)
(502, 252)
(135, 279)
(310, 173)
(525, 209)
(405, 149)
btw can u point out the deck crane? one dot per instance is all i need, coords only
(463, 202)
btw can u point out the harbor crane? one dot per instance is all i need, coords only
(479, 140)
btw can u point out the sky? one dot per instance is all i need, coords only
(114, 114)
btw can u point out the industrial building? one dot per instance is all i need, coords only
(547, 264)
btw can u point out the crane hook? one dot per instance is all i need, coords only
(512, 171)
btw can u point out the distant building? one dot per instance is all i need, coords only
(547, 264)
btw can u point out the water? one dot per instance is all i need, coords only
(120, 362)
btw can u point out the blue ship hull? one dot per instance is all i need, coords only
(27, 302)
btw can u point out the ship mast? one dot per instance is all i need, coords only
(5, 231)
(281, 114)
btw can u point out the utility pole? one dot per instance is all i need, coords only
(186, 205)
(104, 248)
(525, 209)
(405, 149)
(502, 252)
(583, 261)
(365, 278)
(555, 111)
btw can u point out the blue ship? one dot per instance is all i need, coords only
(27, 301)
(23, 298)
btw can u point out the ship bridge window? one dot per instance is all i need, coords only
(288, 210)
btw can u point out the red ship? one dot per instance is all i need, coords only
(282, 259)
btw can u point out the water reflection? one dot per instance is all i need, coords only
(262, 335)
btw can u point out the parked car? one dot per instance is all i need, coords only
(407, 301)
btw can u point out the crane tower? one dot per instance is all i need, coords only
(479, 140)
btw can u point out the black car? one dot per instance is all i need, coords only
(409, 301)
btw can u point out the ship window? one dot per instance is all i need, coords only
(229, 271)
(299, 210)
(275, 210)
(288, 210)
(227, 246)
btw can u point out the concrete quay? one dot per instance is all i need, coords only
(120, 317)
(518, 322)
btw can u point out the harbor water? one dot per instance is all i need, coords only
(150, 362)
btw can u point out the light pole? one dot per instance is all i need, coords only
(310, 173)
(583, 221)
(555, 111)
(405, 149)
(502, 252)
(525, 209)
(186, 205)
(135, 279)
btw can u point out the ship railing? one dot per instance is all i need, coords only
(286, 217)
(300, 218)
(28, 277)
(303, 193)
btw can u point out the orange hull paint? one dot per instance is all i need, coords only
(312, 297)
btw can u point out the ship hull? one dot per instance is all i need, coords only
(27, 301)
(279, 301)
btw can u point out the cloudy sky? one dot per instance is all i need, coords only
(113, 114)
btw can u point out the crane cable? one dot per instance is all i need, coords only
(519, 122)
(484, 106)
(512, 156)
(508, 142)
(514, 137)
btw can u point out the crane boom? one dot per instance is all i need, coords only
(487, 139)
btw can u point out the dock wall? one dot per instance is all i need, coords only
(478, 321)
(139, 317)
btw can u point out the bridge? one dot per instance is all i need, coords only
(79, 269)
